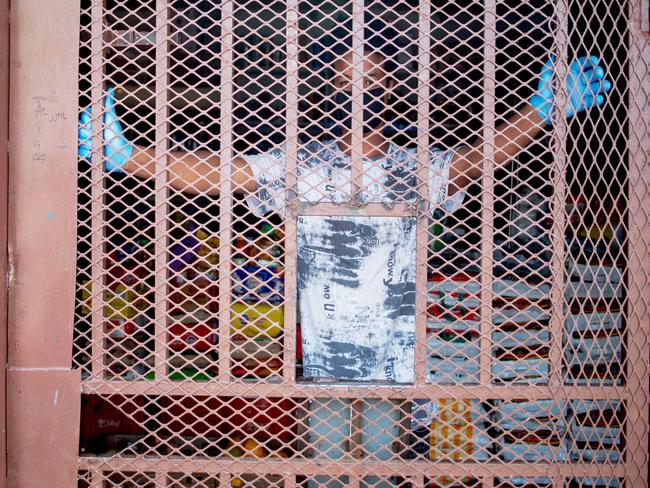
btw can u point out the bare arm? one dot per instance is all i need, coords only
(191, 172)
(511, 137)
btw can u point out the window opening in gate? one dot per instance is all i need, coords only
(355, 232)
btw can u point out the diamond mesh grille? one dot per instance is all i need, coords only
(235, 232)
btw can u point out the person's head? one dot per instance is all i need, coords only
(376, 74)
(376, 84)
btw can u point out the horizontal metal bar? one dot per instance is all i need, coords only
(335, 468)
(405, 392)
(370, 209)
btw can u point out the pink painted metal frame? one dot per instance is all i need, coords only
(42, 389)
(634, 393)
(4, 144)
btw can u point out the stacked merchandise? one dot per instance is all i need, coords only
(193, 304)
(593, 325)
(520, 338)
(453, 328)
(257, 311)
(450, 430)
(531, 431)
(126, 303)
(235, 427)
(594, 291)
(596, 430)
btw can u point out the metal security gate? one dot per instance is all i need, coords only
(232, 206)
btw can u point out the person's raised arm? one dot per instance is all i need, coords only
(190, 172)
(586, 87)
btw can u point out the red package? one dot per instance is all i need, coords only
(193, 335)
(264, 418)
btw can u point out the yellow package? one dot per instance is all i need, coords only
(258, 319)
(121, 303)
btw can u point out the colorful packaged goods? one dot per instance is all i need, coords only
(254, 368)
(522, 365)
(450, 430)
(453, 352)
(253, 283)
(520, 316)
(270, 421)
(189, 293)
(258, 319)
(267, 247)
(189, 334)
(121, 301)
(521, 355)
(532, 431)
(596, 433)
(592, 347)
(129, 262)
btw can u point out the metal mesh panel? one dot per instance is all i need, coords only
(335, 244)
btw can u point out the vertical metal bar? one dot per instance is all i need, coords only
(42, 390)
(422, 235)
(97, 205)
(638, 276)
(487, 211)
(558, 147)
(225, 184)
(160, 188)
(357, 96)
(289, 340)
(558, 168)
(290, 481)
(224, 477)
(161, 480)
(356, 412)
(4, 191)
(96, 479)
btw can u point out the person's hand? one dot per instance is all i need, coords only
(117, 149)
(586, 87)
